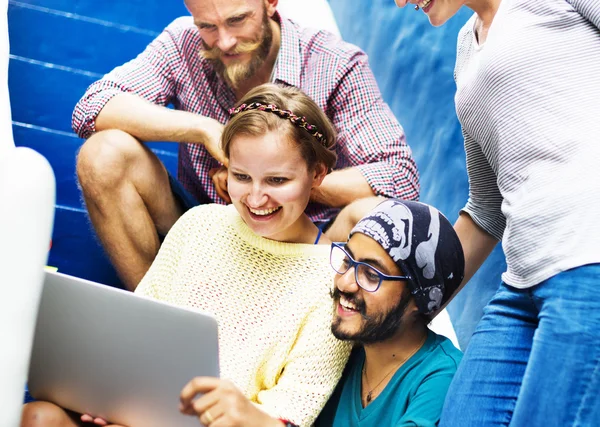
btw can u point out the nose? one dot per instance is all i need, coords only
(346, 282)
(257, 197)
(226, 40)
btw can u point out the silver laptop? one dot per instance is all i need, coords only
(116, 355)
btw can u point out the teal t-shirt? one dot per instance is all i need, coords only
(413, 397)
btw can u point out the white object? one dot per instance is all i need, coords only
(310, 13)
(118, 355)
(442, 325)
(27, 190)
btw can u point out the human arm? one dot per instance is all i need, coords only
(589, 9)
(341, 187)
(481, 223)
(133, 97)
(150, 122)
(349, 216)
(310, 372)
(338, 189)
(476, 242)
(373, 157)
(477, 245)
(222, 404)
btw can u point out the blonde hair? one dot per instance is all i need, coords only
(256, 122)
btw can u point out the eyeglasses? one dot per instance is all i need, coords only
(367, 277)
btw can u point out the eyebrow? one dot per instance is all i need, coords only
(372, 262)
(240, 15)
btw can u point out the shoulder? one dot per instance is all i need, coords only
(464, 41)
(326, 46)
(182, 31)
(442, 356)
(464, 44)
(181, 25)
(467, 30)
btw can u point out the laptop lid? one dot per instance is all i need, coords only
(117, 355)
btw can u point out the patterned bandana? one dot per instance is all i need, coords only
(423, 243)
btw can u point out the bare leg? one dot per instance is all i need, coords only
(46, 414)
(129, 200)
(349, 216)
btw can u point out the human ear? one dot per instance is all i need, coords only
(319, 174)
(271, 7)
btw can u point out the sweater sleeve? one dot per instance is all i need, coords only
(589, 9)
(485, 201)
(311, 371)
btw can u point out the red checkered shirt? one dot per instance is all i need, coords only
(334, 73)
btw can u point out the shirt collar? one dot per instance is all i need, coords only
(287, 67)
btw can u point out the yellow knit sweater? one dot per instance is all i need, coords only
(272, 303)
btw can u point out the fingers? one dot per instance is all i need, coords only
(199, 385)
(87, 418)
(214, 149)
(212, 416)
(219, 177)
(401, 3)
(199, 405)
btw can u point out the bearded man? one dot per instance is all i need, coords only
(201, 65)
(401, 264)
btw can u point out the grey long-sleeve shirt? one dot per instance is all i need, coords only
(528, 100)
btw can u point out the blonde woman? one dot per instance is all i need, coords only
(261, 267)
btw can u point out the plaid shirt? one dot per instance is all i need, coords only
(333, 73)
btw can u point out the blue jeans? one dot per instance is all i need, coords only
(534, 359)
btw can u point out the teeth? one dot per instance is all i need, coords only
(424, 4)
(346, 304)
(263, 211)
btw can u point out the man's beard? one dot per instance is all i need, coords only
(375, 328)
(238, 72)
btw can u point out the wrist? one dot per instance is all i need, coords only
(318, 196)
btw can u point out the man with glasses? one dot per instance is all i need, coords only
(400, 265)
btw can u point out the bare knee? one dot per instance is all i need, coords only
(38, 414)
(105, 158)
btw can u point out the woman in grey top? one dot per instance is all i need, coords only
(528, 100)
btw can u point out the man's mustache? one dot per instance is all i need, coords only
(240, 48)
(359, 303)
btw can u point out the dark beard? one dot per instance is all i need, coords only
(375, 328)
(242, 73)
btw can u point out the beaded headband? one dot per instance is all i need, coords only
(284, 114)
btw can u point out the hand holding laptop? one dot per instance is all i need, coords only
(222, 402)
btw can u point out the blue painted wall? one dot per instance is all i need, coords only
(59, 47)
